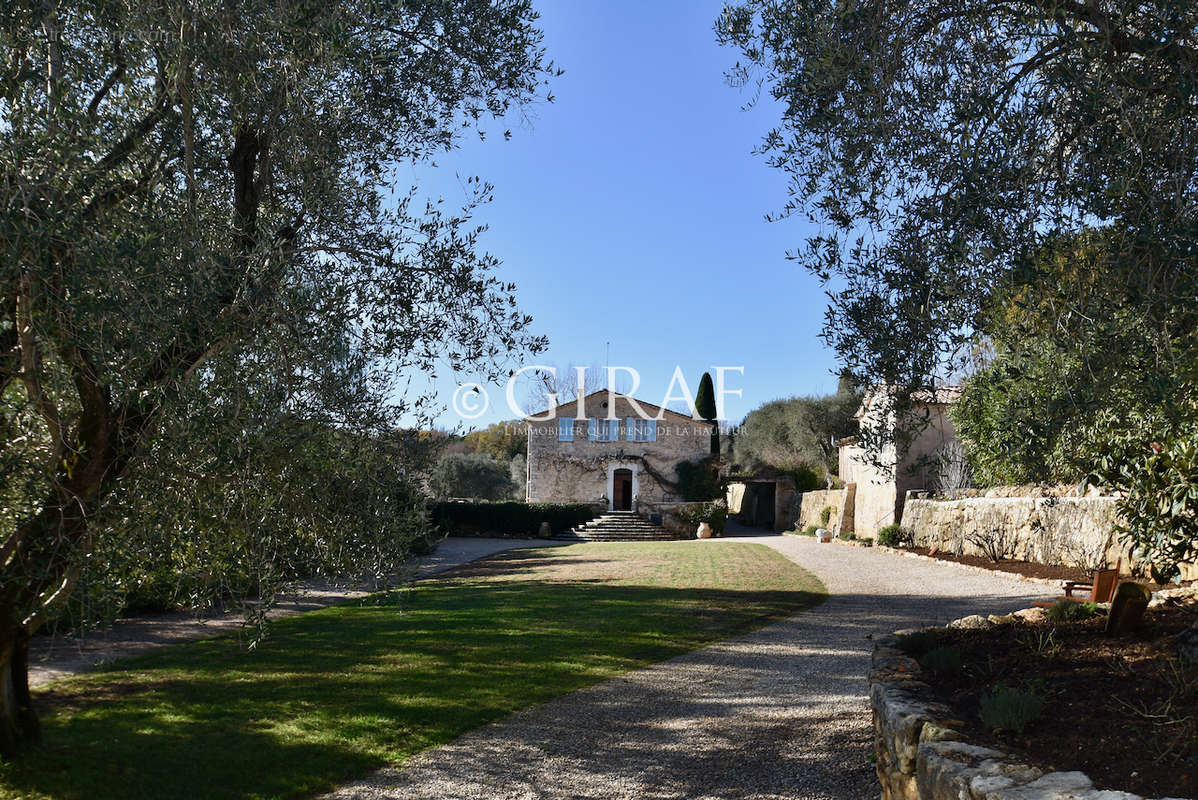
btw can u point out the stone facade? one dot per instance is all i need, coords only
(585, 471)
(881, 488)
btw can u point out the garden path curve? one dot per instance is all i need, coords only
(777, 713)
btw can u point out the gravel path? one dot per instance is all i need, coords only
(54, 657)
(777, 713)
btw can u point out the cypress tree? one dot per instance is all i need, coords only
(705, 405)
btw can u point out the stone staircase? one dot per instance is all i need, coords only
(617, 526)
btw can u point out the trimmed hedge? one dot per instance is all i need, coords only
(507, 519)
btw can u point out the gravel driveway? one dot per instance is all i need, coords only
(777, 713)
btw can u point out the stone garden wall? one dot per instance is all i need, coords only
(812, 505)
(1051, 527)
(1072, 531)
(921, 754)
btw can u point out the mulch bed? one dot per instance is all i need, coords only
(1027, 568)
(1122, 709)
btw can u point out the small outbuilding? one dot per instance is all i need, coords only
(877, 488)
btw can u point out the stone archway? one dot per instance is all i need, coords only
(623, 486)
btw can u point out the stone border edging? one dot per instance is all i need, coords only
(922, 754)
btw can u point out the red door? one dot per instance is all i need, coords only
(622, 490)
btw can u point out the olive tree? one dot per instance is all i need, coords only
(952, 152)
(797, 432)
(210, 280)
(470, 475)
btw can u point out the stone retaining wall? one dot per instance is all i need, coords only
(812, 505)
(1046, 529)
(1072, 531)
(922, 755)
(673, 515)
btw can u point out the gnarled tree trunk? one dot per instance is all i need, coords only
(19, 725)
(40, 567)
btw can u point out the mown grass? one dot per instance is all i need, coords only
(333, 694)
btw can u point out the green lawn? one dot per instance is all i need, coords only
(333, 694)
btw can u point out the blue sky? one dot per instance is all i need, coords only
(631, 211)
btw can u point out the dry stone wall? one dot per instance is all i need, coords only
(813, 504)
(1073, 531)
(922, 754)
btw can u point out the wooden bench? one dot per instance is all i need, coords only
(1101, 587)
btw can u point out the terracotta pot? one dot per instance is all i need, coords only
(704, 531)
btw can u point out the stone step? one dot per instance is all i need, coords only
(655, 538)
(617, 526)
(593, 531)
(616, 533)
(630, 525)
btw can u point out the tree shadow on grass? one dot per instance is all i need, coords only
(778, 712)
(340, 692)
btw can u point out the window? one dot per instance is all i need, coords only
(565, 430)
(640, 430)
(603, 430)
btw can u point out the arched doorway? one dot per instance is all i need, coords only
(621, 490)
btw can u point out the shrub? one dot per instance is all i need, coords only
(1010, 709)
(996, 542)
(509, 518)
(473, 475)
(1041, 642)
(825, 515)
(1156, 466)
(951, 469)
(1069, 611)
(917, 643)
(942, 661)
(714, 514)
(892, 536)
(806, 478)
(698, 480)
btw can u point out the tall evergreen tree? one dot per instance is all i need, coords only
(705, 405)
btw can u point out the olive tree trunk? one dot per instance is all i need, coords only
(19, 725)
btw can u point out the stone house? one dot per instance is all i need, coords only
(611, 449)
(875, 492)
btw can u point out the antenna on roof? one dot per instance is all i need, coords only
(607, 362)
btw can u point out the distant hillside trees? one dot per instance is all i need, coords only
(501, 441)
(475, 476)
(796, 435)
